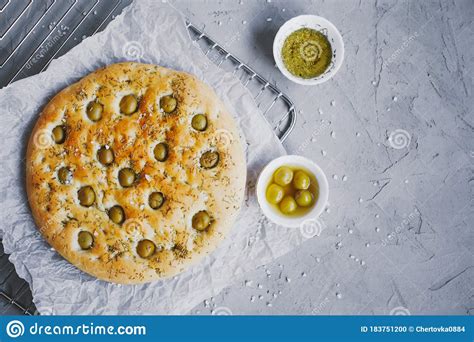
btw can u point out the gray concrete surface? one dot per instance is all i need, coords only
(398, 235)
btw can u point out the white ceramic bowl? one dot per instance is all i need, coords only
(294, 161)
(316, 23)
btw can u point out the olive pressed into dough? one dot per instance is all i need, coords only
(85, 240)
(146, 248)
(105, 155)
(94, 111)
(128, 104)
(161, 152)
(199, 122)
(201, 220)
(86, 196)
(59, 134)
(168, 104)
(64, 175)
(209, 159)
(156, 200)
(127, 177)
(117, 214)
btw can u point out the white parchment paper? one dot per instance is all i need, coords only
(148, 32)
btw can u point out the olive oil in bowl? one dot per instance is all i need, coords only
(306, 53)
(292, 191)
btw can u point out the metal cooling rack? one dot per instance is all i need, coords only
(35, 32)
(15, 295)
(276, 106)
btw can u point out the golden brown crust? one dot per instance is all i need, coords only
(188, 188)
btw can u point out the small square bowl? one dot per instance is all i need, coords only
(316, 23)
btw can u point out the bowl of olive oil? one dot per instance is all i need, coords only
(308, 49)
(291, 190)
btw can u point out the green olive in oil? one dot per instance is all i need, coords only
(306, 53)
(292, 191)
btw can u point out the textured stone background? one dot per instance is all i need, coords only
(398, 234)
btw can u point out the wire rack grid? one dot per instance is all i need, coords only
(35, 32)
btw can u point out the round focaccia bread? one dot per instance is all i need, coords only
(135, 172)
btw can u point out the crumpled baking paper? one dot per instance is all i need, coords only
(148, 32)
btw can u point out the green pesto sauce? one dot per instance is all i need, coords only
(306, 53)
